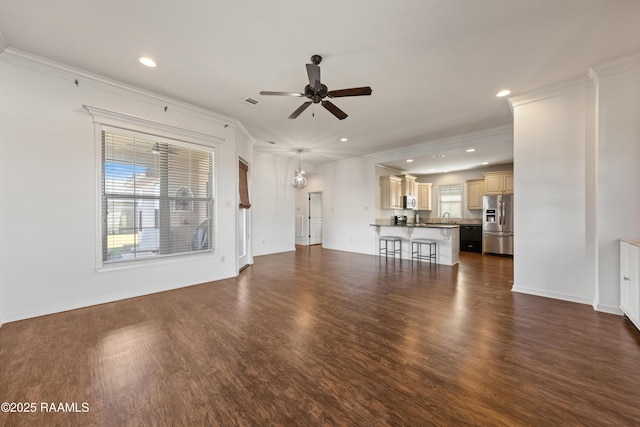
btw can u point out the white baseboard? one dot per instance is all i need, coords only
(551, 294)
(611, 309)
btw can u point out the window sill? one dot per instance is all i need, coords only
(155, 261)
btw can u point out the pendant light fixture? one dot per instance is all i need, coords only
(299, 181)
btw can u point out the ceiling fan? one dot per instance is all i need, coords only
(316, 92)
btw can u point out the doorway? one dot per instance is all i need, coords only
(315, 218)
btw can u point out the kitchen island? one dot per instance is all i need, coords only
(447, 237)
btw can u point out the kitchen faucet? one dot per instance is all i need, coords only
(446, 215)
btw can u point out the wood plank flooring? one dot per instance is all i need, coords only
(321, 337)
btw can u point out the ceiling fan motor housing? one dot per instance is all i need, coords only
(316, 95)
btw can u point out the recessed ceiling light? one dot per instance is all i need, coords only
(503, 93)
(484, 163)
(470, 150)
(147, 61)
(343, 139)
(409, 160)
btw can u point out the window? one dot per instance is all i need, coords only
(157, 197)
(450, 200)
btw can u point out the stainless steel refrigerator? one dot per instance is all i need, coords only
(497, 224)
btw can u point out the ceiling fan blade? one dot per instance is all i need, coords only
(334, 110)
(300, 110)
(266, 92)
(356, 91)
(313, 71)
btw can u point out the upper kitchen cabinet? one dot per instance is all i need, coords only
(475, 191)
(498, 182)
(409, 185)
(424, 196)
(391, 192)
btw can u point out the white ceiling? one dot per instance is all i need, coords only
(434, 65)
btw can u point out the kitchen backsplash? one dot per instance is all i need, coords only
(411, 220)
(471, 217)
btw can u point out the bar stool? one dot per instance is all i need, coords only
(383, 246)
(417, 253)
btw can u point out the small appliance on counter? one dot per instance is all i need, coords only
(409, 202)
(400, 220)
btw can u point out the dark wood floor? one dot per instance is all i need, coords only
(320, 337)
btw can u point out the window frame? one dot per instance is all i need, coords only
(450, 186)
(120, 123)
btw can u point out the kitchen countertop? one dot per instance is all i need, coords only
(418, 225)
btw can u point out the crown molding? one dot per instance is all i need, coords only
(580, 83)
(76, 76)
(617, 66)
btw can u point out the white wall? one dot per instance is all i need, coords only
(576, 163)
(50, 192)
(551, 244)
(272, 204)
(348, 203)
(618, 183)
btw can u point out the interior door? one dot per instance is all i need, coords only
(315, 218)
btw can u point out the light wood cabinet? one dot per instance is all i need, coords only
(629, 285)
(424, 196)
(498, 182)
(390, 192)
(475, 191)
(409, 185)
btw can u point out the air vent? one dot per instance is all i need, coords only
(251, 101)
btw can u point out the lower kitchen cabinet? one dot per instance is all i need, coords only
(629, 285)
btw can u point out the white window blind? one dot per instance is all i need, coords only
(157, 198)
(450, 200)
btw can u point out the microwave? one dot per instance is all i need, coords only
(409, 202)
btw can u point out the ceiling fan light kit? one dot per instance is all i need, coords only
(316, 92)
